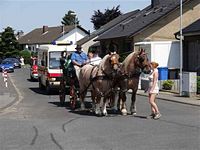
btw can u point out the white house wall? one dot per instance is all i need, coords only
(166, 53)
(74, 36)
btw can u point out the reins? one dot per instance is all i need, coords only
(105, 76)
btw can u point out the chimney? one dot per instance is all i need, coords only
(45, 29)
(154, 3)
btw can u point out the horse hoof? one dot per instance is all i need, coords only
(124, 112)
(133, 113)
(105, 114)
(98, 113)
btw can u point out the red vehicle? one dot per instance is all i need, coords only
(34, 69)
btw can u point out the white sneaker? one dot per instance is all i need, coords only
(157, 116)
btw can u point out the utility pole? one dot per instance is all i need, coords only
(181, 50)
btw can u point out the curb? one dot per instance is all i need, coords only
(170, 100)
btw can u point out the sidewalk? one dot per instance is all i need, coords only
(174, 97)
(8, 95)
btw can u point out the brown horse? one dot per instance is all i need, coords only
(131, 68)
(100, 81)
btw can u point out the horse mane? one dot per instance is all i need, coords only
(128, 61)
(104, 62)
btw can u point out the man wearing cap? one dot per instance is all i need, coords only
(79, 59)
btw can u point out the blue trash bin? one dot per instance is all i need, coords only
(163, 73)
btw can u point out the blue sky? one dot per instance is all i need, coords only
(27, 15)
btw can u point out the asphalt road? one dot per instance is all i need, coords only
(37, 122)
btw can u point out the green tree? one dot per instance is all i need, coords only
(70, 18)
(99, 18)
(26, 55)
(8, 42)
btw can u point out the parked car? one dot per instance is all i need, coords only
(8, 65)
(34, 69)
(16, 62)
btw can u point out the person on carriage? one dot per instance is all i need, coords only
(63, 59)
(94, 59)
(79, 58)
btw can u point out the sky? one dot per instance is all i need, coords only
(26, 15)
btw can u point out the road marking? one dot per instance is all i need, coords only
(16, 102)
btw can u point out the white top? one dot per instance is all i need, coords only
(22, 61)
(156, 89)
(95, 60)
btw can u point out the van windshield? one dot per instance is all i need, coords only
(54, 60)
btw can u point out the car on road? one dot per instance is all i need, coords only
(15, 61)
(8, 65)
(33, 69)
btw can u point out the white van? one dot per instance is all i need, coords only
(49, 72)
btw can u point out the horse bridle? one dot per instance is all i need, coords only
(106, 76)
(140, 58)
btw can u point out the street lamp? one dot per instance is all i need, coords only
(181, 49)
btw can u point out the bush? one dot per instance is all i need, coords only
(26, 55)
(34, 54)
(8, 54)
(15, 53)
(1, 55)
(198, 84)
(167, 85)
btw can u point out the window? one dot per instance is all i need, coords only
(54, 60)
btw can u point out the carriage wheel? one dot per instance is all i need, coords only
(62, 92)
(73, 96)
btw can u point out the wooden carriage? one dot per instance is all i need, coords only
(68, 83)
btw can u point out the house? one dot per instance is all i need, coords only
(88, 41)
(156, 23)
(191, 47)
(48, 35)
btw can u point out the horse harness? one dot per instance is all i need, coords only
(99, 77)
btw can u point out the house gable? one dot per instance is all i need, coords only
(47, 35)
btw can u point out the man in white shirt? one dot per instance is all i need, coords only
(94, 58)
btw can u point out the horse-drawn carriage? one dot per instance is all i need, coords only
(68, 83)
(104, 79)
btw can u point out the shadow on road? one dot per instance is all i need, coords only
(87, 112)
(43, 92)
(35, 80)
(141, 116)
